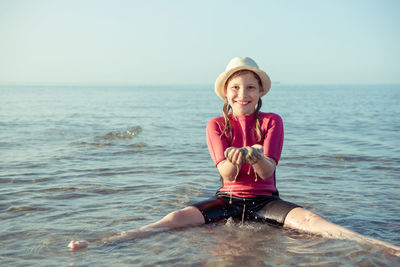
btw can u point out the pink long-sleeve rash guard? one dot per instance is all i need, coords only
(244, 134)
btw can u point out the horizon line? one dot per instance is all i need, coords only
(75, 84)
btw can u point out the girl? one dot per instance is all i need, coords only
(245, 145)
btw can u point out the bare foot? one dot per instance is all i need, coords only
(75, 245)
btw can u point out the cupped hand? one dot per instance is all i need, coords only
(234, 155)
(258, 146)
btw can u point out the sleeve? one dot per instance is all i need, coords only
(216, 143)
(273, 139)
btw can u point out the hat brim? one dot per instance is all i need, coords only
(223, 77)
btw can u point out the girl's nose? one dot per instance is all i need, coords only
(241, 92)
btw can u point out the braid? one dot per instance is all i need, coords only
(225, 111)
(257, 114)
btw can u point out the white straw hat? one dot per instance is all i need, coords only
(241, 63)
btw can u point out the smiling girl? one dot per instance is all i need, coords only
(245, 146)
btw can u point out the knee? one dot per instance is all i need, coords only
(311, 219)
(180, 218)
(303, 219)
(184, 217)
(176, 216)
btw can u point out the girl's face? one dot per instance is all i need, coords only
(243, 93)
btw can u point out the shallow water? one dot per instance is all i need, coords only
(87, 162)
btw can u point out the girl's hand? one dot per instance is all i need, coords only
(234, 155)
(257, 146)
(252, 154)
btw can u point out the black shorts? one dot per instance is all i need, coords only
(223, 206)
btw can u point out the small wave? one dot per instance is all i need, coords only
(95, 144)
(125, 134)
(66, 196)
(109, 138)
(137, 145)
(340, 158)
(185, 173)
(125, 189)
(132, 149)
(25, 209)
(25, 181)
(4, 144)
(56, 189)
(353, 158)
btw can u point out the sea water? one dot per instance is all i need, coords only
(81, 162)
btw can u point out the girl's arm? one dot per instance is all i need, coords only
(229, 169)
(264, 167)
(272, 147)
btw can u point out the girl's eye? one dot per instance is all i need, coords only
(252, 87)
(235, 87)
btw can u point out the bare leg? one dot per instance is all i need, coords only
(177, 219)
(307, 221)
(180, 218)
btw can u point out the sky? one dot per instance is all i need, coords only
(133, 42)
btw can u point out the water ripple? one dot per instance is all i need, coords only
(125, 134)
(89, 162)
